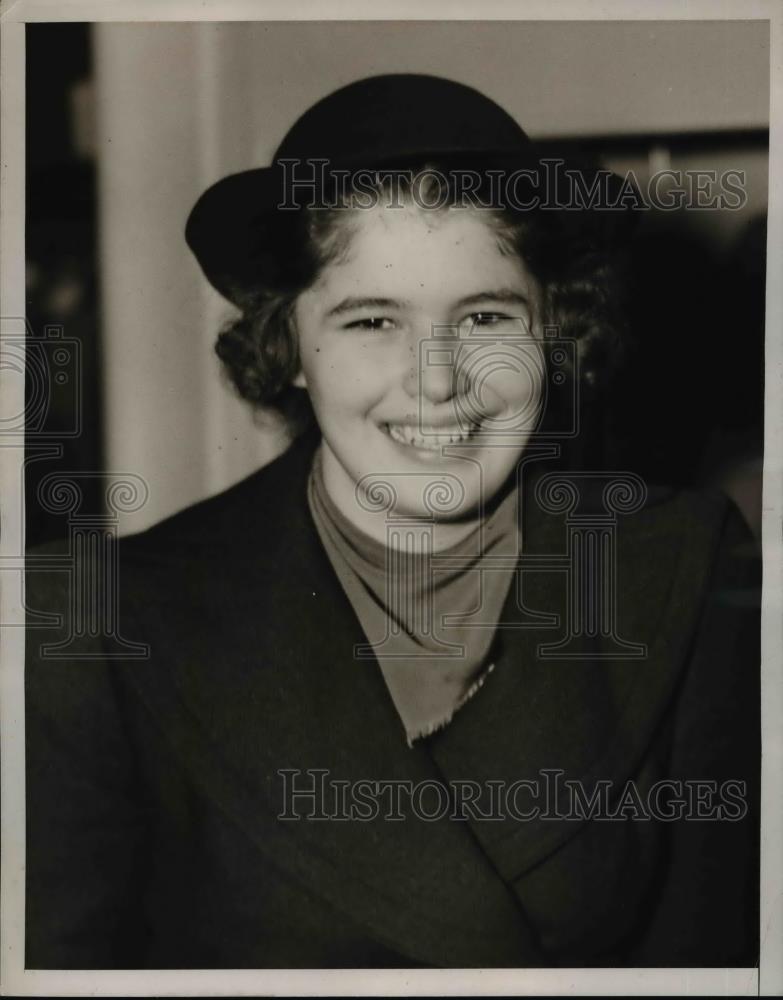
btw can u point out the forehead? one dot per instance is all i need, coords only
(423, 248)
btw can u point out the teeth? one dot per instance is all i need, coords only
(430, 438)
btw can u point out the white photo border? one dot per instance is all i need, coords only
(14, 979)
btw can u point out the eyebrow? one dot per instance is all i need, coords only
(507, 296)
(351, 303)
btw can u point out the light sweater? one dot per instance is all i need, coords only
(429, 617)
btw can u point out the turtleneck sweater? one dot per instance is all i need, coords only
(429, 616)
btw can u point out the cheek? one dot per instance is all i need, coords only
(342, 380)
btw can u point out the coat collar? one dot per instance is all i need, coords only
(235, 597)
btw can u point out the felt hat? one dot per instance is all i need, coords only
(376, 122)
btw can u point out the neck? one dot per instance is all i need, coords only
(341, 491)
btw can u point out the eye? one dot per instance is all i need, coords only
(486, 319)
(374, 323)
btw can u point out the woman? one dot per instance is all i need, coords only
(423, 691)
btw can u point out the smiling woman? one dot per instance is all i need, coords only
(423, 325)
(419, 597)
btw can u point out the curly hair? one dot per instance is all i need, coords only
(581, 281)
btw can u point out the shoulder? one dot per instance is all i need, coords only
(178, 565)
(703, 530)
(682, 561)
(686, 530)
(692, 568)
(657, 534)
(254, 512)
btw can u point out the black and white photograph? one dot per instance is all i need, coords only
(391, 452)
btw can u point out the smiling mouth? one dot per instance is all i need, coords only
(429, 438)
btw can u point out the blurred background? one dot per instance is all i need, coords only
(128, 123)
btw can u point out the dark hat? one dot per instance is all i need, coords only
(375, 122)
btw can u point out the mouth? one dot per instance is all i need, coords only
(427, 438)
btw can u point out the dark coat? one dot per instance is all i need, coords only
(154, 787)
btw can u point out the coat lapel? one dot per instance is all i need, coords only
(546, 720)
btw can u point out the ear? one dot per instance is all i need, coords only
(299, 380)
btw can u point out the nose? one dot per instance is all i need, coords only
(430, 371)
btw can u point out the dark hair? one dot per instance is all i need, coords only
(580, 280)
